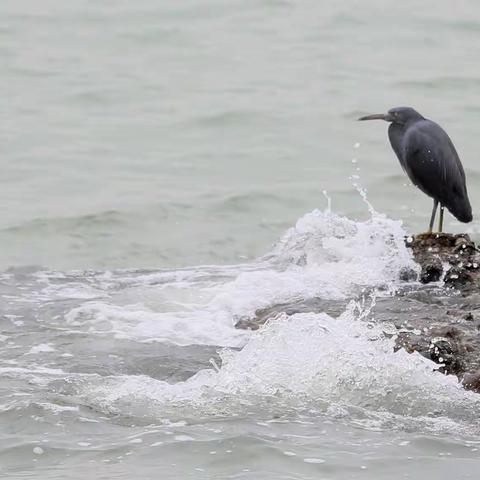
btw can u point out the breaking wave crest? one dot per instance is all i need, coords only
(342, 367)
(325, 256)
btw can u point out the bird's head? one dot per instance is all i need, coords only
(398, 115)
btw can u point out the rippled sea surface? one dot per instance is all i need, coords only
(170, 168)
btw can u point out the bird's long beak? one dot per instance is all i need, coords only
(378, 116)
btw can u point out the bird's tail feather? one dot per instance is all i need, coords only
(461, 210)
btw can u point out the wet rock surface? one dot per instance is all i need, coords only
(436, 313)
(442, 325)
(452, 258)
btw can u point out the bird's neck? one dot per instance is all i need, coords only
(395, 135)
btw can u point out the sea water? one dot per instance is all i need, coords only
(163, 174)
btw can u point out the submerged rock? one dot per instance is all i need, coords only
(438, 317)
(442, 325)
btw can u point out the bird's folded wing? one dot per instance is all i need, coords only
(432, 164)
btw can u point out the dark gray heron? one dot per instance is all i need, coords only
(430, 160)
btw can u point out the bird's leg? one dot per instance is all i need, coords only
(432, 218)
(440, 220)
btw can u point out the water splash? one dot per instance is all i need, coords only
(325, 256)
(300, 363)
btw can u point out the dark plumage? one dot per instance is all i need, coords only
(429, 158)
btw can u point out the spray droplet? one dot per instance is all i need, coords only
(329, 200)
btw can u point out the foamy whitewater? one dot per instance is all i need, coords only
(103, 370)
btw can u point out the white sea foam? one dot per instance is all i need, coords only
(341, 366)
(41, 348)
(324, 256)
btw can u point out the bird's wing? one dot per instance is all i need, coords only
(433, 165)
(432, 162)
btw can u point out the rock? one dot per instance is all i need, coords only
(453, 257)
(431, 272)
(469, 316)
(408, 275)
(471, 381)
(311, 305)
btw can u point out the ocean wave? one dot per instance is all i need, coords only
(315, 362)
(324, 256)
(307, 362)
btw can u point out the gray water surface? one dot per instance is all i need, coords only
(163, 134)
